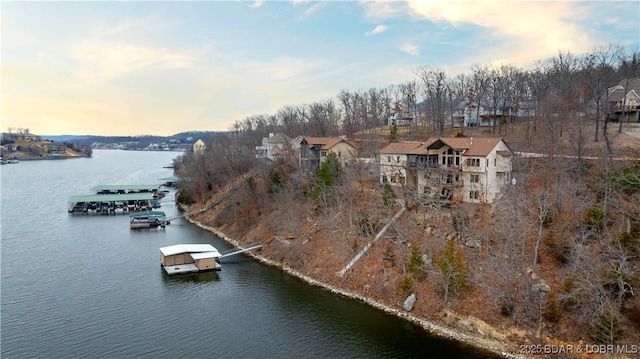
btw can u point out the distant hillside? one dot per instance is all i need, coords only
(190, 136)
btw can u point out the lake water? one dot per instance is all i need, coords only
(86, 286)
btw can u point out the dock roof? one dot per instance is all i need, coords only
(111, 197)
(150, 214)
(204, 255)
(171, 179)
(126, 187)
(187, 248)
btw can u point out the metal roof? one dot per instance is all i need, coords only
(111, 197)
(187, 248)
(126, 187)
(204, 255)
(151, 214)
(171, 179)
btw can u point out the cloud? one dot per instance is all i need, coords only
(382, 8)
(256, 4)
(521, 31)
(409, 48)
(108, 61)
(377, 30)
(312, 9)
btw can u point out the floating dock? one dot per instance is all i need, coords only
(117, 198)
(189, 258)
(148, 220)
(125, 188)
(110, 203)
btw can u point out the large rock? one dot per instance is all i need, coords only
(541, 287)
(410, 302)
(473, 243)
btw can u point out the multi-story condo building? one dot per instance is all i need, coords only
(475, 170)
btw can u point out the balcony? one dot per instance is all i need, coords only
(431, 165)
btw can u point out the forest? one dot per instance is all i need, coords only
(554, 260)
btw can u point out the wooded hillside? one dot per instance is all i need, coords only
(555, 259)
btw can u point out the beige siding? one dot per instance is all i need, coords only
(206, 263)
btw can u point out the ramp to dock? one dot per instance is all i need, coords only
(240, 250)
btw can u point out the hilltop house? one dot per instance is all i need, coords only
(474, 170)
(400, 117)
(315, 150)
(199, 146)
(274, 147)
(624, 101)
(467, 113)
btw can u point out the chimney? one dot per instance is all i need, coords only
(270, 134)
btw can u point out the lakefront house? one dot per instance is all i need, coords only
(315, 150)
(474, 170)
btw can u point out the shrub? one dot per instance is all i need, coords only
(387, 195)
(595, 219)
(389, 256)
(185, 197)
(559, 249)
(416, 264)
(627, 241)
(553, 309)
(453, 269)
(365, 226)
(606, 328)
(406, 284)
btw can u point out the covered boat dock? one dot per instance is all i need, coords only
(110, 203)
(125, 188)
(148, 219)
(189, 258)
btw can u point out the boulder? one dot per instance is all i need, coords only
(541, 287)
(473, 243)
(410, 302)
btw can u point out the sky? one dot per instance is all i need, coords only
(164, 67)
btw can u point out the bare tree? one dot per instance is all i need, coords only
(541, 209)
(434, 85)
(480, 79)
(538, 84)
(600, 72)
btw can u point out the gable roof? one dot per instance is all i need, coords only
(480, 146)
(326, 143)
(278, 138)
(617, 93)
(408, 148)
(457, 143)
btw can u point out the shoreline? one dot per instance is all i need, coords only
(432, 327)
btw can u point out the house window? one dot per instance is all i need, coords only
(474, 195)
(473, 162)
(495, 162)
(474, 179)
(323, 153)
(397, 159)
(385, 179)
(389, 159)
(447, 157)
(339, 154)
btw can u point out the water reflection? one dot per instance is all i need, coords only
(202, 277)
